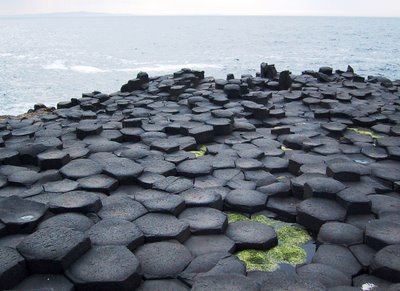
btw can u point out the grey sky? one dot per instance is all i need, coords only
(193, 7)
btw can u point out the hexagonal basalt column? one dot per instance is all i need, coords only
(20, 215)
(158, 226)
(12, 267)
(252, 235)
(163, 259)
(53, 249)
(106, 268)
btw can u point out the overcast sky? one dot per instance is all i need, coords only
(193, 7)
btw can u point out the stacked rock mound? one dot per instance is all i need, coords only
(132, 189)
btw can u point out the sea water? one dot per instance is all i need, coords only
(51, 59)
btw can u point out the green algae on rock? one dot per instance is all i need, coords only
(289, 250)
(288, 254)
(269, 261)
(256, 260)
(292, 235)
(236, 217)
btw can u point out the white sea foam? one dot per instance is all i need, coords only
(86, 69)
(170, 67)
(56, 65)
(4, 55)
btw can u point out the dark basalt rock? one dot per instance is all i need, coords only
(381, 233)
(272, 142)
(163, 285)
(338, 257)
(164, 145)
(12, 268)
(121, 207)
(204, 220)
(164, 203)
(196, 197)
(163, 259)
(340, 234)
(45, 282)
(248, 201)
(106, 268)
(75, 201)
(347, 171)
(122, 169)
(81, 168)
(325, 274)
(252, 235)
(205, 244)
(386, 263)
(355, 201)
(227, 282)
(284, 207)
(159, 226)
(363, 254)
(53, 159)
(19, 215)
(116, 231)
(322, 188)
(194, 168)
(75, 221)
(314, 212)
(53, 249)
(23, 178)
(98, 183)
(85, 130)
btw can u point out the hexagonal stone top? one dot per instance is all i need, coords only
(106, 268)
(386, 263)
(194, 168)
(252, 235)
(159, 226)
(45, 282)
(71, 220)
(340, 233)
(19, 214)
(53, 249)
(121, 207)
(204, 220)
(163, 259)
(322, 188)
(381, 233)
(314, 212)
(81, 168)
(347, 171)
(122, 169)
(226, 282)
(76, 201)
(12, 267)
(248, 201)
(205, 244)
(115, 231)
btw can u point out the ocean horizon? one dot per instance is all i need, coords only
(45, 59)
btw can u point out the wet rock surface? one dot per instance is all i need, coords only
(161, 185)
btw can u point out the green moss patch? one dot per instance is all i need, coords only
(292, 235)
(289, 250)
(256, 260)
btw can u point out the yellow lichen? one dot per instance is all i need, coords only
(365, 132)
(201, 152)
(285, 148)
